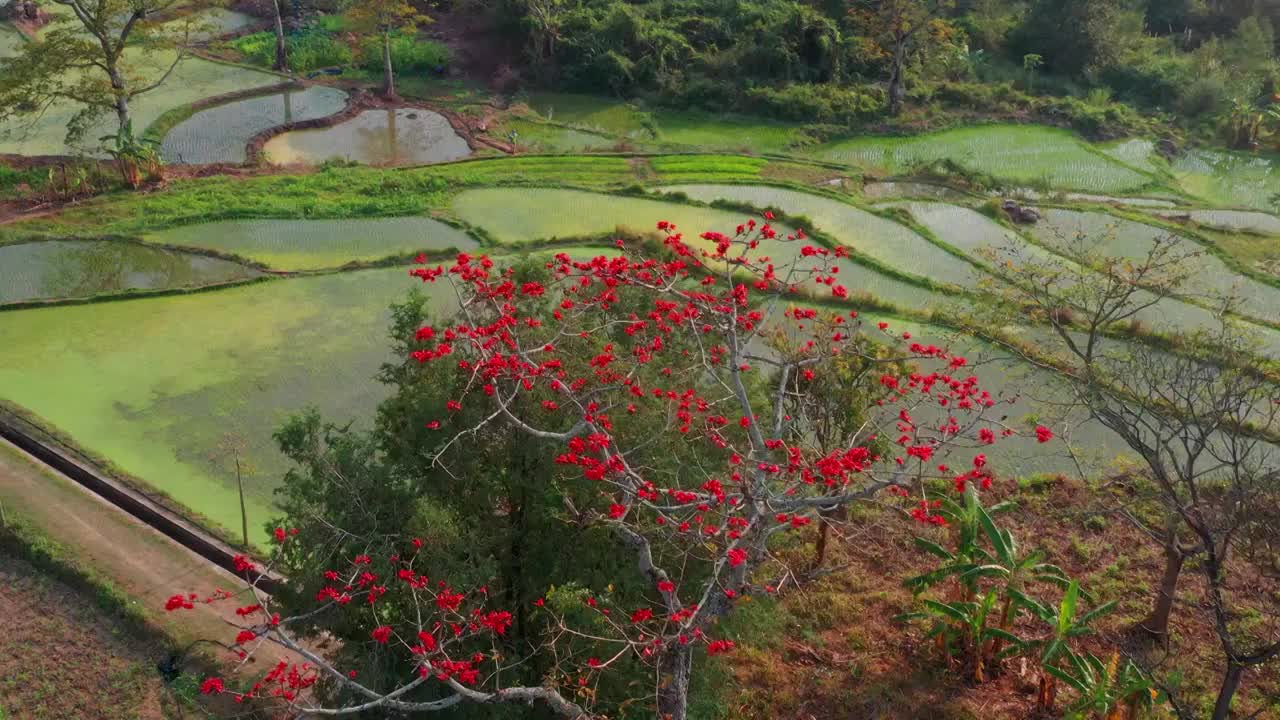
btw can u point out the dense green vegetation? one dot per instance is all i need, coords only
(823, 62)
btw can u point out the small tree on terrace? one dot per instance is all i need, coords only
(900, 27)
(385, 19)
(1204, 427)
(667, 384)
(92, 58)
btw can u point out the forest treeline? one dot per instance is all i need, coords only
(1095, 64)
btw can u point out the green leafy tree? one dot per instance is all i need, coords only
(385, 19)
(91, 56)
(1080, 36)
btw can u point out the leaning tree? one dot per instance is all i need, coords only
(665, 380)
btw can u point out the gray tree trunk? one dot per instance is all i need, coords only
(388, 74)
(282, 54)
(674, 668)
(897, 82)
(122, 98)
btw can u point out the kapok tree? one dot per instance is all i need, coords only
(668, 379)
(900, 28)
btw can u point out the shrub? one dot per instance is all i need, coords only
(817, 103)
(309, 49)
(407, 54)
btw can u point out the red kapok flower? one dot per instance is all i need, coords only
(1043, 434)
(382, 634)
(212, 685)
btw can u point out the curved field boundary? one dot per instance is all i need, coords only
(357, 102)
(170, 524)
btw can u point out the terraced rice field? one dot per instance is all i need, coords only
(157, 384)
(220, 134)
(1125, 238)
(1018, 154)
(1229, 179)
(549, 138)
(665, 128)
(978, 236)
(81, 269)
(404, 136)
(1137, 153)
(521, 215)
(318, 244)
(913, 190)
(894, 245)
(194, 79)
(1231, 220)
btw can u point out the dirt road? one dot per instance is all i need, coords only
(144, 564)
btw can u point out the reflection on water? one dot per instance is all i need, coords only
(220, 134)
(83, 268)
(406, 136)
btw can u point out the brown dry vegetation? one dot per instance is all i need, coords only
(834, 651)
(62, 657)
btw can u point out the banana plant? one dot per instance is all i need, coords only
(1107, 691)
(964, 630)
(1003, 563)
(1066, 626)
(966, 519)
(132, 155)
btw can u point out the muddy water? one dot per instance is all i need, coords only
(220, 134)
(405, 136)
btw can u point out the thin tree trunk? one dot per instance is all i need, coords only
(674, 668)
(282, 54)
(244, 515)
(122, 98)
(1230, 683)
(1157, 624)
(388, 73)
(897, 90)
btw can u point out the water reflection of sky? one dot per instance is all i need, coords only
(76, 268)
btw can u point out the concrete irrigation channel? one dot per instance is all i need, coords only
(25, 437)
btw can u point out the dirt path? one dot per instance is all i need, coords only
(144, 564)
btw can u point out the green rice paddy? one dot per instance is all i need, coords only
(1129, 239)
(894, 245)
(79, 269)
(157, 384)
(318, 244)
(1229, 178)
(1232, 220)
(521, 215)
(666, 128)
(976, 234)
(1018, 154)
